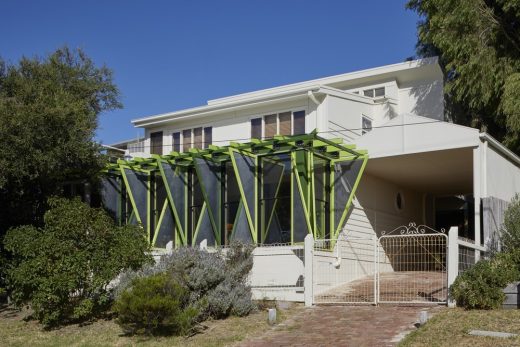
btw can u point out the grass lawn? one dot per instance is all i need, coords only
(14, 331)
(450, 327)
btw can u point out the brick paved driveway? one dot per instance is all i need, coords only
(341, 326)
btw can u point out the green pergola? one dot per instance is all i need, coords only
(263, 191)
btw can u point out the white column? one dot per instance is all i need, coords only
(477, 197)
(308, 280)
(453, 259)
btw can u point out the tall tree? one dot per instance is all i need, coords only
(49, 110)
(478, 44)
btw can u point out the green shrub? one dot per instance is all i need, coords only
(217, 281)
(157, 304)
(63, 269)
(481, 286)
(510, 231)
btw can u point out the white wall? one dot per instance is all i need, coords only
(277, 273)
(375, 208)
(343, 115)
(502, 176)
(234, 126)
(422, 98)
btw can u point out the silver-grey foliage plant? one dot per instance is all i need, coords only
(216, 280)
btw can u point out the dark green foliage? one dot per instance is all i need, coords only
(478, 43)
(481, 286)
(63, 269)
(156, 304)
(510, 231)
(49, 110)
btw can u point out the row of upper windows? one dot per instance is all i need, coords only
(191, 138)
(284, 123)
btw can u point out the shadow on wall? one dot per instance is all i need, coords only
(429, 98)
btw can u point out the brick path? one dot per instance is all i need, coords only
(341, 326)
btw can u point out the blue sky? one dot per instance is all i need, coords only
(171, 55)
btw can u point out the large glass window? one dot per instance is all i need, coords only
(197, 138)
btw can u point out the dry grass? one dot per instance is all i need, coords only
(450, 327)
(14, 331)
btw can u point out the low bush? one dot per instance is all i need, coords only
(510, 231)
(480, 287)
(63, 269)
(216, 281)
(156, 304)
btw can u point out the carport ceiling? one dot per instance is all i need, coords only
(437, 172)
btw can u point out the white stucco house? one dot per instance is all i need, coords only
(421, 169)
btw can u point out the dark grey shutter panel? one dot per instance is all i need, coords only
(208, 136)
(256, 128)
(156, 140)
(186, 140)
(176, 142)
(299, 122)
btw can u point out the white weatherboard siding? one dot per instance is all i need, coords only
(344, 117)
(502, 176)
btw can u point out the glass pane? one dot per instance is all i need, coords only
(270, 125)
(156, 140)
(231, 202)
(321, 196)
(285, 123)
(379, 91)
(197, 138)
(176, 142)
(299, 122)
(208, 136)
(368, 92)
(256, 128)
(186, 140)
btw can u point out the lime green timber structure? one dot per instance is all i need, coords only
(264, 191)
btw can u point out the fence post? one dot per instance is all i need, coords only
(308, 280)
(453, 260)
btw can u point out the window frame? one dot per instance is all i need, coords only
(277, 114)
(363, 129)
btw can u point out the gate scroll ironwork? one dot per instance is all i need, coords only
(412, 265)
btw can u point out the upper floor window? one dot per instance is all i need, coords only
(192, 138)
(283, 123)
(374, 92)
(366, 124)
(156, 142)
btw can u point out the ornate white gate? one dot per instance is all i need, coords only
(412, 266)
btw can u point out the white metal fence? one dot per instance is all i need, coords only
(345, 271)
(412, 268)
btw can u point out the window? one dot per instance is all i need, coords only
(208, 136)
(366, 125)
(186, 140)
(299, 122)
(374, 92)
(270, 125)
(176, 142)
(256, 128)
(283, 123)
(156, 142)
(197, 138)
